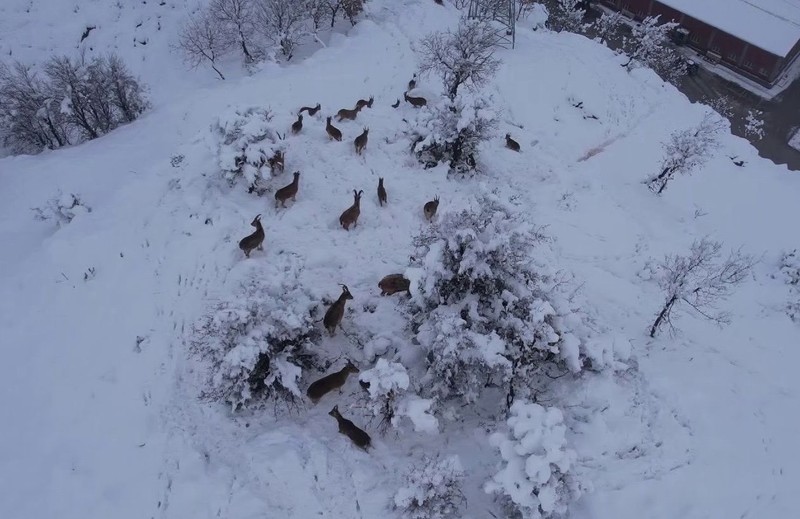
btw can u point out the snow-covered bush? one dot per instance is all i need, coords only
(536, 477)
(464, 56)
(687, 150)
(452, 131)
(650, 45)
(256, 344)
(76, 100)
(432, 489)
(246, 141)
(566, 15)
(789, 269)
(483, 309)
(385, 383)
(62, 208)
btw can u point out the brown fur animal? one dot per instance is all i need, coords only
(287, 192)
(344, 113)
(297, 125)
(511, 143)
(361, 103)
(334, 314)
(349, 429)
(416, 102)
(330, 382)
(312, 111)
(333, 132)
(394, 283)
(430, 208)
(381, 192)
(255, 240)
(276, 162)
(361, 141)
(350, 215)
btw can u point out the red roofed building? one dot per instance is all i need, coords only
(757, 38)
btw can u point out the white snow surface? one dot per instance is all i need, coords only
(101, 416)
(773, 25)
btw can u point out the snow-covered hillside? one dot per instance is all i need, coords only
(101, 410)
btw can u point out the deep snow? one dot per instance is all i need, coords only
(101, 417)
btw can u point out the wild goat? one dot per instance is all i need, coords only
(381, 192)
(311, 111)
(511, 143)
(333, 132)
(334, 314)
(276, 162)
(350, 215)
(344, 113)
(330, 382)
(349, 429)
(430, 208)
(287, 192)
(255, 240)
(412, 84)
(416, 102)
(361, 141)
(361, 103)
(394, 283)
(297, 125)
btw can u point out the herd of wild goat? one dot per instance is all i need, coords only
(389, 285)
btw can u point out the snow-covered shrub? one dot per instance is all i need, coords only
(687, 150)
(789, 269)
(566, 15)
(535, 478)
(453, 131)
(62, 208)
(386, 382)
(256, 344)
(484, 309)
(432, 489)
(650, 45)
(76, 100)
(246, 140)
(460, 57)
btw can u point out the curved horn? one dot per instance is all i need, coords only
(258, 216)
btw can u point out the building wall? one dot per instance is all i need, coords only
(746, 59)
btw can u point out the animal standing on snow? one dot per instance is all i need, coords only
(287, 192)
(333, 132)
(297, 125)
(511, 143)
(334, 314)
(311, 111)
(416, 102)
(330, 382)
(430, 208)
(361, 103)
(381, 192)
(349, 429)
(350, 215)
(344, 113)
(361, 141)
(255, 240)
(276, 162)
(394, 283)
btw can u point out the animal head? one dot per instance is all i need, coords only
(296, 175)
(256, 221)
(436, 200)
(350, 367)
(508, 136)
(329, 119)
(335, 411)
(357, 196)
(346, 292)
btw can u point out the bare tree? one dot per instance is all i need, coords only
(203, 39)
(687, 150)
(126, 93)
(282, 22)
(352, 8)
(460, 56)
(649, 45)
(237, 18)
(699, 281)
(30, 119)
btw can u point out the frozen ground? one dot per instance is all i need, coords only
(101, 418)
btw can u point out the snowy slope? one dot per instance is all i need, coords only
(101, 418)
